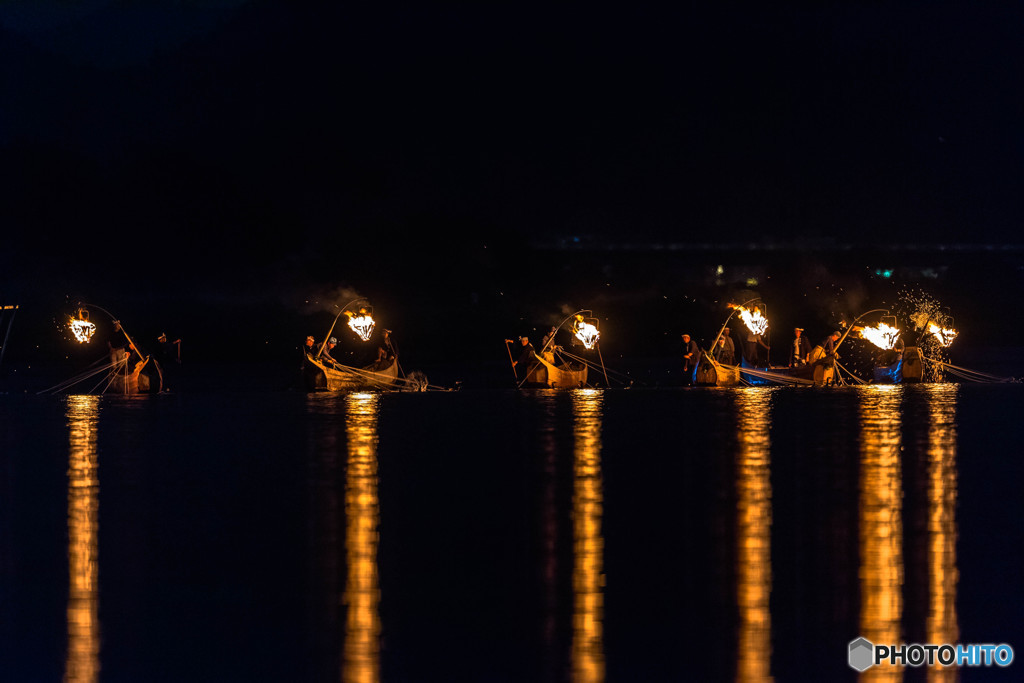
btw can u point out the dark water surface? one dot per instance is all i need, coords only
(630, 535)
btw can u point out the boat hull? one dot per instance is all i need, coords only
(548, 375)
(711, 373)
(819, 371)
(377, 376)
(909, 369)
(145, 377)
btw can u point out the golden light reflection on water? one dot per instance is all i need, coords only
(942, 625)
(83, 653)
(588, 664)
(881, 523)
(753, 534)
(361, 651)
(548, 447)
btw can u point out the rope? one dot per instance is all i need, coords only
(565, 357)
(775, 377)
(370, 375)
(970, 375)
(375, 377)
(593, 366)
(110, 380)
(854, 377)
(78, 379)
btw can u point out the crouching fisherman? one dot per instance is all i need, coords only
(823, 357)
(325, 353)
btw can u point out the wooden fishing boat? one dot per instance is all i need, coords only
(320, 372)
(144, 377)
(127, 370)
(711, 373)
(907, 368)
(555, 366)
(376, 376)
(553, 373)
(820, 371)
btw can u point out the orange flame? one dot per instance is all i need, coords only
(883, 336)
(361, 324)
(83, 330)
(586, 333)
(943, 334)
(754, 320)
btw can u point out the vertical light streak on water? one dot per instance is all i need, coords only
(753, 534)
(588, 664)
(83, 654)
(881, 522)
(326, 420)
(553, 659)
(942, 626)
(361, 651)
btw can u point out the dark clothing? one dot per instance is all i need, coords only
(750, 347)
(168, 358)
(887, 357)
(325, 356)
(525, 362)
(119, 340)
(801, 348)
(754, 347)
(763, 349)
(725, 352)
(168, 352)
(548, 337)
(829, 345)
(891, 356)
(691, 354)
(386, 350)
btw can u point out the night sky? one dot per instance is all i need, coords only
(194, 162)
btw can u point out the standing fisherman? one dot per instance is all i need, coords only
(725, 353)
(523, 364)
(800, 349)
(691, 355)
